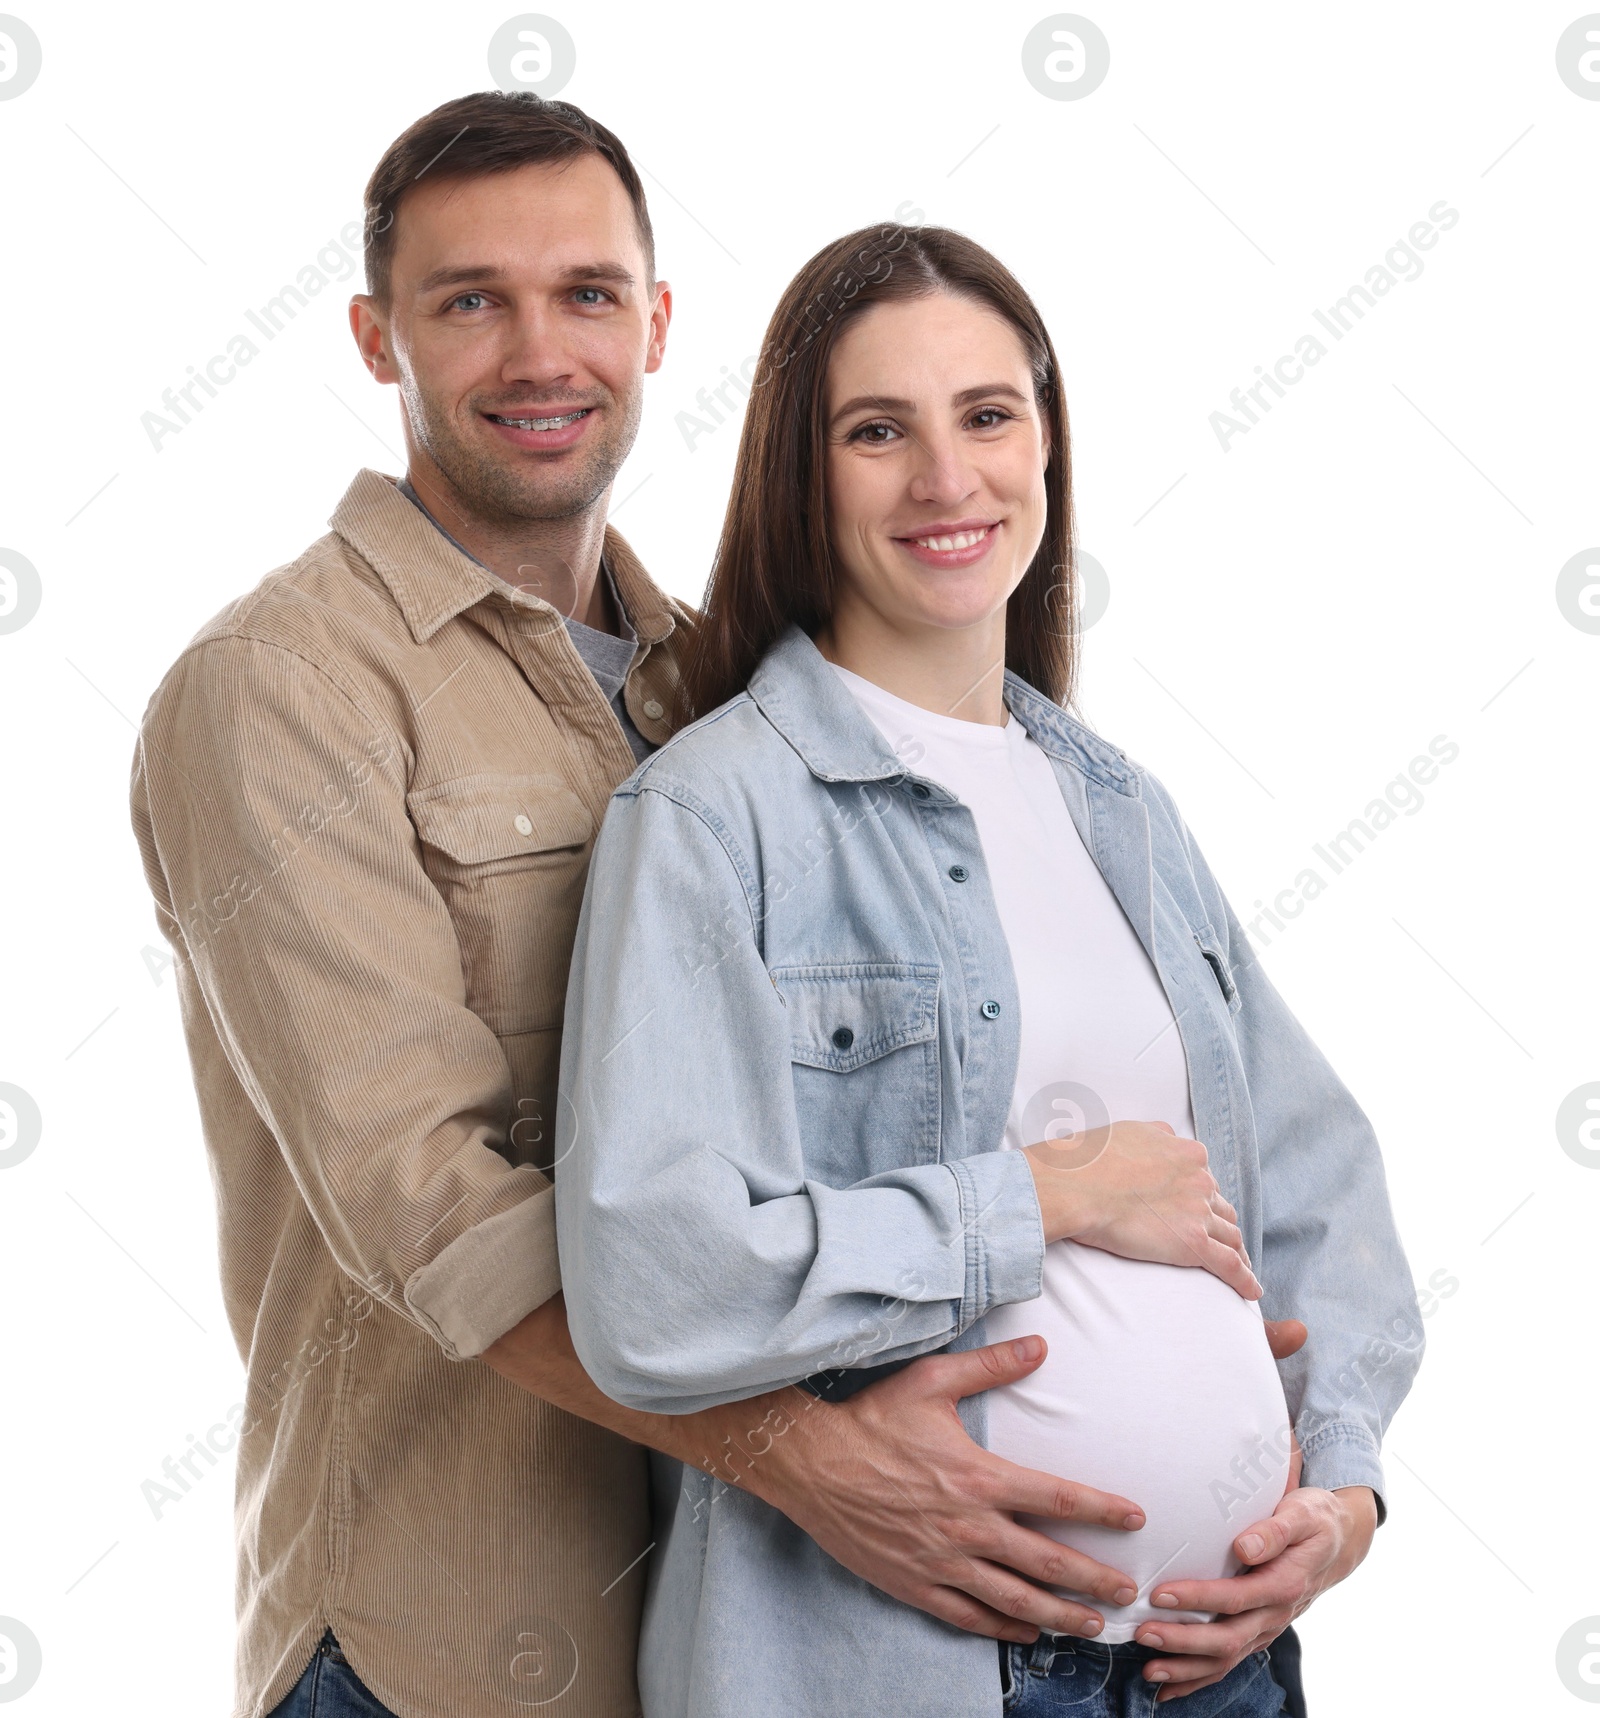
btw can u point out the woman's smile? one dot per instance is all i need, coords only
(959, 544)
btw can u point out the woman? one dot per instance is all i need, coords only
(899, 1004)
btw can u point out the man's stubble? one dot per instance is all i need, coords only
(510, 488)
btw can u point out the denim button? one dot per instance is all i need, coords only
(920, 790)
(990, 1011)
(959, 873)
(843, 1038)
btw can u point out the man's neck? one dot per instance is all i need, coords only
(557, 560)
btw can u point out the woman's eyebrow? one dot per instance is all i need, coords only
(988, 391)
(881, 403)
(874, 403)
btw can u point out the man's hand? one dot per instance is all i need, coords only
(1312, 1541)
(889, 1484)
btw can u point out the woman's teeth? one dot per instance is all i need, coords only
(539, 423)
(961, 540)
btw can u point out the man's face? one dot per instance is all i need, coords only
(520, 325)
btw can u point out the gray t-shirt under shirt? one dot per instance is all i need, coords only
(607, 657)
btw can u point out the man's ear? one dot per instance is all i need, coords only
(660, 317)
(369, 324)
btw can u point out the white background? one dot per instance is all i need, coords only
(1374, 564)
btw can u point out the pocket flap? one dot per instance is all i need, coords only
(477, 818)
(842, 1016)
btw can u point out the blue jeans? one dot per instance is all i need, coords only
(329, 1689)
(1060, 1676)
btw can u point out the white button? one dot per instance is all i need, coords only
(652, 709)
(523, 824)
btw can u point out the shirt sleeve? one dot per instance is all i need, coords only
(1330, 1252)
(701, 1263)
(271, 813)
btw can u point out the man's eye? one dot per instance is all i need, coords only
(469, 301)
(591, 295)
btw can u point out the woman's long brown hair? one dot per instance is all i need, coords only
(775, 561)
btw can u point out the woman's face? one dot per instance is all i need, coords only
(935, 463)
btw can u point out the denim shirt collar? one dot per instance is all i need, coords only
(806, 702)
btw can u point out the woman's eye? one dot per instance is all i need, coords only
(987, 417)
(874, 435)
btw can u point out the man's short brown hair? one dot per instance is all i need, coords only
(493, 131)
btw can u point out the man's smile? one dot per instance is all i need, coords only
(543, 423)
(535, 429)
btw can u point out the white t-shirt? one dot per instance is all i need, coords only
(1159, 1384)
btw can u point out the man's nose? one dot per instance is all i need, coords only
(538, 350)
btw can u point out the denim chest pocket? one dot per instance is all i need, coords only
(864, 1043)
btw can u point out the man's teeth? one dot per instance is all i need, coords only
(961, 540)
(540, 423)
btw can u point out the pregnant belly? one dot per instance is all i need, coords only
(1158, 1386)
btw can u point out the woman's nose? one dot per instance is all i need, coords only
(941, 475)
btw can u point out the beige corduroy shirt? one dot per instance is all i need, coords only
(365, 796)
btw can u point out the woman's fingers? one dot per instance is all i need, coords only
(1229, 1264)
(1179, 1677)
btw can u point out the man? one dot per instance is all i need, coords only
(365, 796)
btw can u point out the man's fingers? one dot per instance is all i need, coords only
(974, 1370)
(1019, 1601)
(1285, 1336)
(1041, 1558)
(963, 1611)
(1027, 1491)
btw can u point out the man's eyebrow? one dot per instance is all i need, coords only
(484, 274)
(880, 403)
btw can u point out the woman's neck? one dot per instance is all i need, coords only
(957, 671)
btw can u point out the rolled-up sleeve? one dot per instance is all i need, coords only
(271, 812)
(701, 1262)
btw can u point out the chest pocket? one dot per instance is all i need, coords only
(509, 854)
(864, 1042)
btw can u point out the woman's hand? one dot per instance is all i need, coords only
(1314, 1539)
(1138, 1189)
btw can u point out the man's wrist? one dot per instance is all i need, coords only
(751, 1443)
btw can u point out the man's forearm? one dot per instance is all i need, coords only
(537, 1355)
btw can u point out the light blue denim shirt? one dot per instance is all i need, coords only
(791, 1041)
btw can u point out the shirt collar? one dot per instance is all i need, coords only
(815, 712)
(432, 580)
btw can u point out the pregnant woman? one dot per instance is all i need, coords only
(901, 1005)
